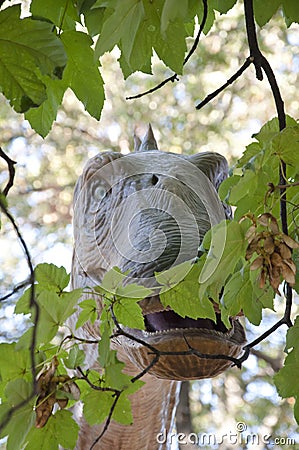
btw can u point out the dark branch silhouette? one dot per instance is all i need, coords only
(16, 289)
(239, 72)
(11, 171)
(260, 62)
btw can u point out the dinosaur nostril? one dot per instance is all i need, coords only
(155, 179)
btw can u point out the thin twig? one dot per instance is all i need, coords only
(108, 420)
(94, 386)
(282, 186)
(11, 171)
(76, 338)
(174, 77)
(34, 305)
(16, 289)
(201, 27)
(233, 78)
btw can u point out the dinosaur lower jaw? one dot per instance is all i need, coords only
(184, 346)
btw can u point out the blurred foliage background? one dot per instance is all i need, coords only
(47, 169)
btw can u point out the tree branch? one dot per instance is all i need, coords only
(239, 72)
(11, 170)
(19, 286)
(260, 63)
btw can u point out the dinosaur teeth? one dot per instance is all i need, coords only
(186, 331)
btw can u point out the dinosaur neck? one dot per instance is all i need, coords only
(153, 408)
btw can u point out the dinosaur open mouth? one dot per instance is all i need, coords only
(169, 320)
(181, 348)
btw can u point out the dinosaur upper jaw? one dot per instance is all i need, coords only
(188, 340)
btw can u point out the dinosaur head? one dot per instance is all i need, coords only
(146, 212)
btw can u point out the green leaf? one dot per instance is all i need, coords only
(89, 312)
(293, 336)
(85, 5)
(28, 50)
(22, 420)
(69, 301)
(172, 11)
(17, 391)
(23, 304)
(48, 323)
(19, 425)
(222, 5)
(228, 245)
(296, 261)
(42, 117)
(59, 308)
(61, 12)
(271, 128)
(3, 202)
(52, 277)
(171, 48)
(226, 187)
(114, 377)
(285, 145)
(135, 27)
(81, 66)
(112, 281)
(133, 291)
(104, 348)
(170, 277)
(184, 297)
(14, 364)
(54, 310)
(97, 405)
(263, 11)
(123, 411)
(61, 429)
(94, 20)
(75, 358)
(291, 11)
(121, 26)
(231, 304)
(286, 380)
(129, 313)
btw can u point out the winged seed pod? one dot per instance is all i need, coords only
(274, 250)
(48, 386)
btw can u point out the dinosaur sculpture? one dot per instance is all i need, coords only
(146, 212)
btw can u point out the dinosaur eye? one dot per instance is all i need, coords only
(99, 192)
(155, 179)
